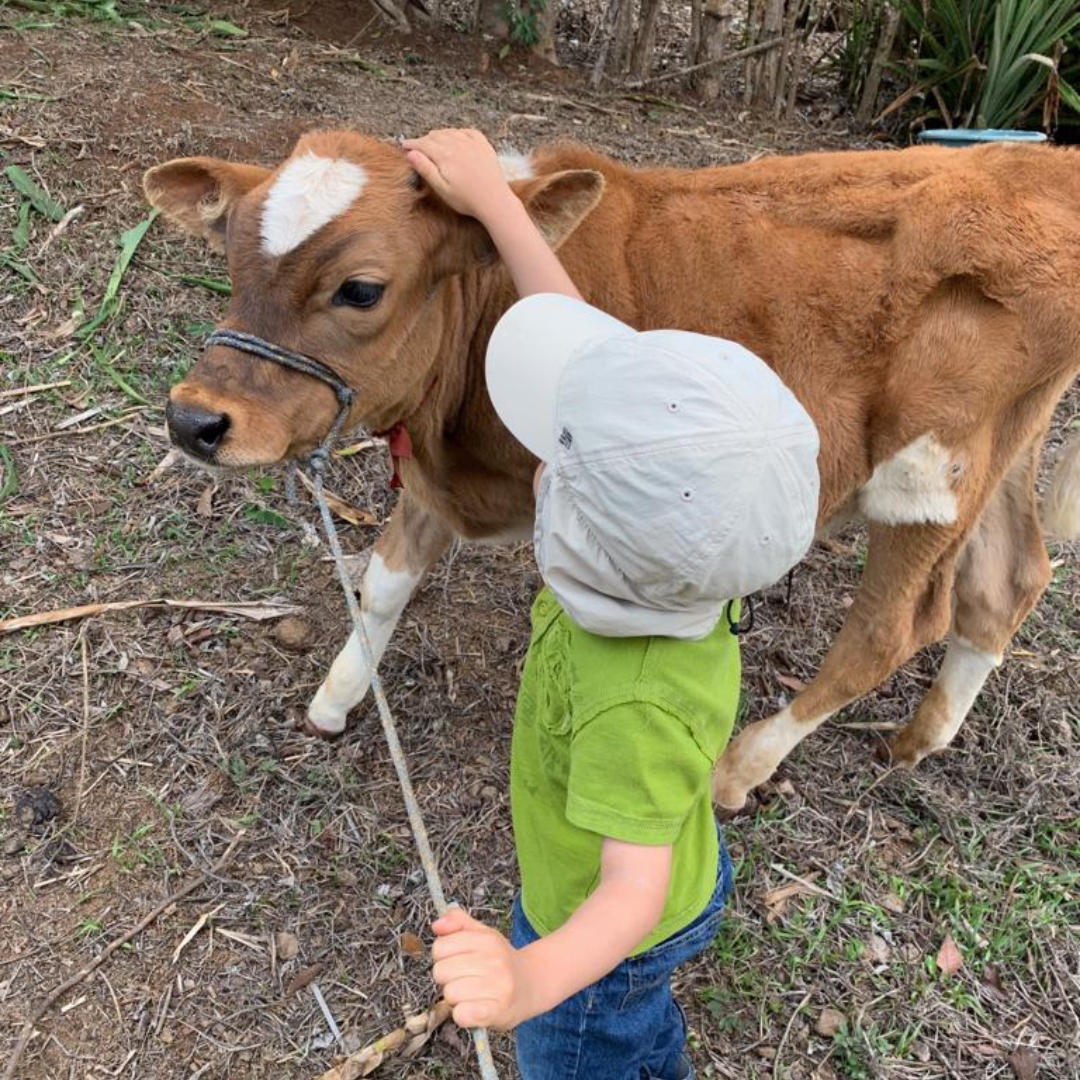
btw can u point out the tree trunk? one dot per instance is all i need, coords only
(868, 99)
(767, 66)
(615, 35)
(694, 48)
(645, 44)
(624, 37)
(715, 20)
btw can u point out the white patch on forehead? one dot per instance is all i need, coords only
(516, 166)
(913, 487)
(309, 192)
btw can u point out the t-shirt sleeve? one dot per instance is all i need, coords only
(636, 771)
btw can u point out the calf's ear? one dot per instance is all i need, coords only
(560, 202)
(557, 203)
(197, 193)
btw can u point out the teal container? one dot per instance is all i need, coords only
(971, 136)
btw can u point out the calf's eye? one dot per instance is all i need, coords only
(358, 294)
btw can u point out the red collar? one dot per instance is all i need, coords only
(400, 443)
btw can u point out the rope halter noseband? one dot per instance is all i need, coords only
(306, 365)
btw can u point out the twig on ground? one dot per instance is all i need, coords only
(85, 728)
(59, 434)
(258, 610)
(739, 54)
(808, 885)
(37, 388)
(787, 1031)
(70, 984)
(331, 1023)
(570, 103)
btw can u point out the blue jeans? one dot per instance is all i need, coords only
(627, 1026)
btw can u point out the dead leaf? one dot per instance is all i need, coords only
(892, 902)
(949, 958)
(776, 900)
(877, 950)
(411, 945)
(302, 979)
(1025, 1063)
(346, 511)
(452, 1037)
(830, 1022)
(792, 682)
(364, 1062)
(286, 945)
(992, 983)
(205, 506)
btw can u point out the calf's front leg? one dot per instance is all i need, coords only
(412, 542)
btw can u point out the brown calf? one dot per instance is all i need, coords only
(924, 305)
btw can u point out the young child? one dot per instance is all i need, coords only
(677, 473)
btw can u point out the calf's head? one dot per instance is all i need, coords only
(340, 253)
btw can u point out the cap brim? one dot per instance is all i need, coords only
(528, 351)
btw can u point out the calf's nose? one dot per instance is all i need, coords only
(196, 430)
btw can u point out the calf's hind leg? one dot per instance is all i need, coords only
(901, 605)
(1000, 575)
(409, 546)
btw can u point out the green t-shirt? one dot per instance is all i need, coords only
(617, 737)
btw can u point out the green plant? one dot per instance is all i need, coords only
(988, 63)
(522, 20)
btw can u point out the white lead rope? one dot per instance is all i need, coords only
(416, 820)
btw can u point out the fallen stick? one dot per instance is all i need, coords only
(62, 432)
(245, 609)
(37, 388)
(739, 54)
(408, 1039)
(80, 976)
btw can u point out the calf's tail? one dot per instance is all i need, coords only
(1061, 508)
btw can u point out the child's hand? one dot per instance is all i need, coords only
(480, 972)
(462, 168)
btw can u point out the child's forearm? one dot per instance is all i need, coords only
(534, 267)
(609, 925)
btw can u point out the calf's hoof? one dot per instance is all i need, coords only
(323, 719)
(729, 793)
(904, 750)
(310, 727)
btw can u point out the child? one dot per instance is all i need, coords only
(677, 473)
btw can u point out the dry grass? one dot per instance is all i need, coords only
(161, 735)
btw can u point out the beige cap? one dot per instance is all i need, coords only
(682, 472)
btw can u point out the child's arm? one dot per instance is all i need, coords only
(463, 169)
(491, 984)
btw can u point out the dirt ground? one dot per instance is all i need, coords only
(136, 746)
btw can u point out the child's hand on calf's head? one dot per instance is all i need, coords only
(482, 975)
(461, 166)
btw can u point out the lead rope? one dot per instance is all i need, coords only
(316, 462)
(416, 820)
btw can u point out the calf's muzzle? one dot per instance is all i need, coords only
(195, 430)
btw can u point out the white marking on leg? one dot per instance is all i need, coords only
(754, 755)
(385, 594)
(309, 192)
(914, 486)
(516, 166)
(963, 674)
